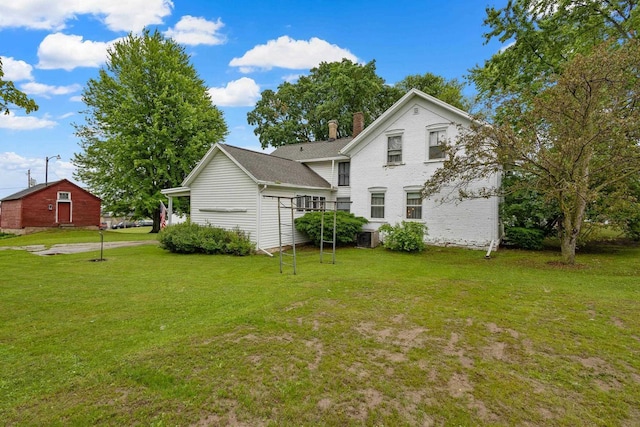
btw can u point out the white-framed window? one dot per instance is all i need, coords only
(394, 149)
(377, 205)
(414, 205)
(309, 202)
(64, 195)
(343, 173)
(343, 204)
(436, 141)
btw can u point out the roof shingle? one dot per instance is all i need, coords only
(269, 168)
(312, 150)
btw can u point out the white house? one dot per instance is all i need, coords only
(377, 174)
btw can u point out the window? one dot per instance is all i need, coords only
(437, 140)
(414, 205)
(377, 205)
(64, 195)
(310, 202)
(343, 173)
(394, 149)
(344, 204)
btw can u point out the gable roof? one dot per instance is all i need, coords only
(407, 98)
(263, 168)
(39, 187)
(310, 151)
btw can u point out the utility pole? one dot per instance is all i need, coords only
(28, 178)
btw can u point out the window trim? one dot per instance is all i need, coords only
(416, 208)
(389, 135)
(344, 178)
(383, 192)
(436, 128)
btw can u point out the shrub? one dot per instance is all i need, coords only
(523, 238)
(347, 226)
(407, 236)
(189, 238)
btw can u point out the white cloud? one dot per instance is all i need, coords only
(191, 30)
(243, 92)
(33, 88)
(14, 167)
(291, 78)
(130, 15)
(77, 98)
(286, 52)
(16, 70)
(66, 116)
(11, 121)
(69, 51)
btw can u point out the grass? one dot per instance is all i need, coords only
(440, 338)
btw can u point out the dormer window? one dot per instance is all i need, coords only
(394, 149)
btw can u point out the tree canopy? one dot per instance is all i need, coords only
(148, 120)
(300, 111)
(576, 141)
(11, 96)
(543, 35)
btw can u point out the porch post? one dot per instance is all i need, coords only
(170, 210)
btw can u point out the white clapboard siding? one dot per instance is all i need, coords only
(224, 196)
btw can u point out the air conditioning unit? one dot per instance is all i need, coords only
(368, 239)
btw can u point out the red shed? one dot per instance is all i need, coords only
(56, 204)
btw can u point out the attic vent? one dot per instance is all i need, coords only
(416, 110)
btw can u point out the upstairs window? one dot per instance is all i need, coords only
(64, 195)
(343, 173)
(437, 141)
(394, 149)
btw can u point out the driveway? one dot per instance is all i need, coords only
(73, 248)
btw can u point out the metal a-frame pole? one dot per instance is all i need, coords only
(293, 236)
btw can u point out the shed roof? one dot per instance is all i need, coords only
(310, 151)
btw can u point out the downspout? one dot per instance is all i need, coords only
(259, 220)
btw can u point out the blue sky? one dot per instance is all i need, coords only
(50, 49)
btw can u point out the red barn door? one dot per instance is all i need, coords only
(64, 213)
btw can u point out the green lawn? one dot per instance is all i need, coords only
(440, 338)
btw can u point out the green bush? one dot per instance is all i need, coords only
(407, 236)
(347, 226)
(189, 238)
(523, 238)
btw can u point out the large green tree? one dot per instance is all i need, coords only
(10, 95)
(449, 91)
(148, 120)
(543, 35)
(576, 141)
(300, 111)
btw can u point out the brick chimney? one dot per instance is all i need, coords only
(358, 123)
(333, 130)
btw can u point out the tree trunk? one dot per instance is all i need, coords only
(570, 225)
(156, 221)
(568, 241)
